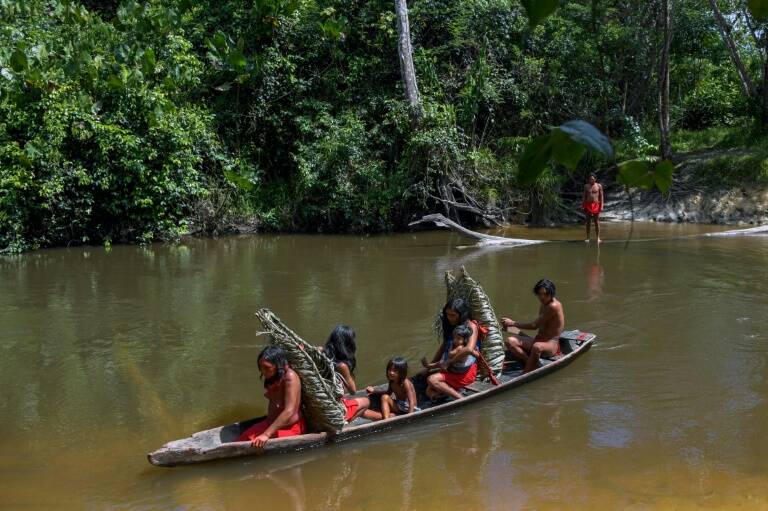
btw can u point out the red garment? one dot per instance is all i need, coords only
(482, 330)
(249, 435)
(558, 353)
(592, 208)
(351, 406)
(460, 380)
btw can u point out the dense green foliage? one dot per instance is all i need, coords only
(133, 121)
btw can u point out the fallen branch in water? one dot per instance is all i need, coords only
(760, 230)
(484, 239)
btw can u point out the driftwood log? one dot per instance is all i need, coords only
(761, 230)
(484, 239)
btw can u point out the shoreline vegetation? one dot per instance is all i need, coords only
(134, 122)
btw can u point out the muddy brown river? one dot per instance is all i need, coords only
(107, 354)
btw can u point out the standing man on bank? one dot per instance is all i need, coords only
(592, 203)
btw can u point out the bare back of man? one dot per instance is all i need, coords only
(549, 325)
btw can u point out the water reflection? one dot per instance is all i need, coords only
(596, 278)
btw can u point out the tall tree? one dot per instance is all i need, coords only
(405, 53)
(725, 31)
(665, 146)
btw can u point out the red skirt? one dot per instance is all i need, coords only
(351, 406)
(249, 435)
(460, 380)
(591, 208)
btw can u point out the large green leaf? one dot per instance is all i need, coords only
(534, 159)
(566, 151)
(636, 173)
(19, 61)
(758, 8)
(539, 10)
(589, 136)
(662, 175)
(566, 145)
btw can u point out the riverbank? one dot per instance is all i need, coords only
(720, 177)
(737, 206)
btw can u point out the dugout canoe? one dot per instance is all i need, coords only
(218, 443)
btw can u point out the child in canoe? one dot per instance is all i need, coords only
(283, 390)
(341, 348)
(456, 363)
(400, 396)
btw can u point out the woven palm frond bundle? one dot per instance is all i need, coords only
(321, 386)
(465, 287)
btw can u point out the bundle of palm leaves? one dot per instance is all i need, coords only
(321, 386)
(465, 287)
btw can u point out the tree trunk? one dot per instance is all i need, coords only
(538, 217)
(405, 52)
(665, 146)
(764, 91)
(725, 31)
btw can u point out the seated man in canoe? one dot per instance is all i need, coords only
(283, 386)
(549, 326)
(454, 366)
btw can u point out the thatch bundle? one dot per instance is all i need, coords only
(321, 386)
(465, 287)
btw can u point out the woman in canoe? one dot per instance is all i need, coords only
(283, 386)
(341, 348)
(456, 365)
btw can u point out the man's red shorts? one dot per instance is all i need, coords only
(249, 435)
(591, 208)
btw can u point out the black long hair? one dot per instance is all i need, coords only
(400, 364)
(463, 331)
(460, 306)
(547, 285)
(341, 346)
(274, 355)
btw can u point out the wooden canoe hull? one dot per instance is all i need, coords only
(217, 443)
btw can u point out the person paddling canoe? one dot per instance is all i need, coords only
(549, 326)
(283, 390)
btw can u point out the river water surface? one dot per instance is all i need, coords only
(106, 355)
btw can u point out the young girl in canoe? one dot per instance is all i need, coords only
(456, 366)
(283, 390)
(341, 348)
(400, 396)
